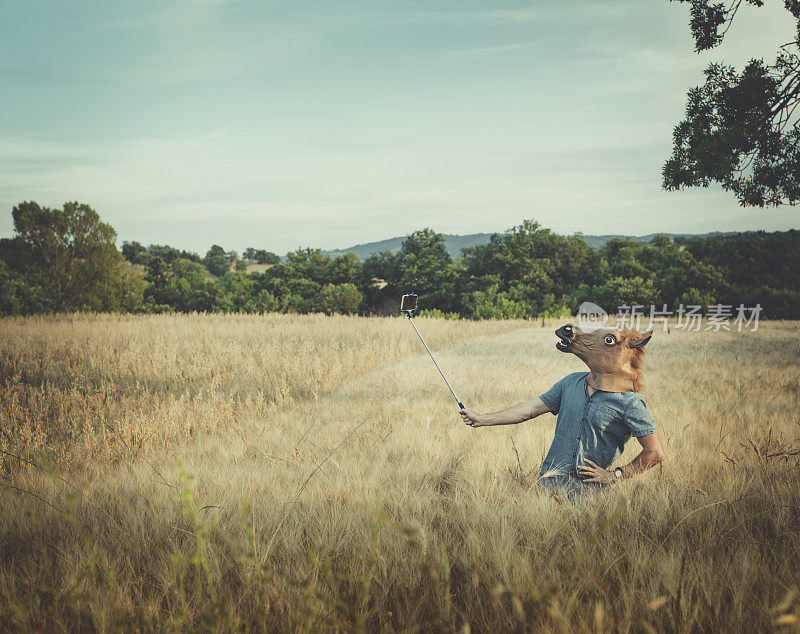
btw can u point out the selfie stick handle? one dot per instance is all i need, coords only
(460, 404)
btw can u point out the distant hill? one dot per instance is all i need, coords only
(455, 243)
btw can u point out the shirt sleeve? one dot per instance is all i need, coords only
(552, 397)
(637, 419)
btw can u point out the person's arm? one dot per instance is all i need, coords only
(652, 453)
(510, 416)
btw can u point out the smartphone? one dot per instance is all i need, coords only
(408, 304)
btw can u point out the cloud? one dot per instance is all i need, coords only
(163, 44)
(479, 52)
(541, 12)
(497, 16)
(177, 16)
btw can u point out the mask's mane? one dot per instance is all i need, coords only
(637, 360)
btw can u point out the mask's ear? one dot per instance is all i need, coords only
(641, 343)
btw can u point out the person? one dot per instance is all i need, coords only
(597, 413)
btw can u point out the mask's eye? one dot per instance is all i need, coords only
(610, 341)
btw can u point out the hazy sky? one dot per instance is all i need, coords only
(325, 124)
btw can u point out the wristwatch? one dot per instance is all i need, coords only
(618, 473)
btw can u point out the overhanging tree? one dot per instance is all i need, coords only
(742, 129)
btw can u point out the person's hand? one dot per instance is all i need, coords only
(596, 474)
(470, 417)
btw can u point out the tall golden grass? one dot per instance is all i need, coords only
(297, 473)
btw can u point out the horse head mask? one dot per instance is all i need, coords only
(615, 357)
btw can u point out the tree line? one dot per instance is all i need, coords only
(63, 260)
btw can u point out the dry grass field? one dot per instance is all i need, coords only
(310, 473)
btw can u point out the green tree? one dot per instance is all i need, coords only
(310, 264)
(25, 293)
(185, 289)
(344, 268)
(618, 291)
(11, 302)
(157, 272)
(339, 298)
(753, 259)
(741, 128)
(169, 254)
(666, 270)
(379, 282)
(133, 252)
(76, 253)
(295, 283)
(237, 289)
(426, 268)
(531, 267)
(757, 267)
(217, 261)
(262, 302)
(260, 256)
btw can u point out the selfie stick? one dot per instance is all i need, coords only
(408, 314)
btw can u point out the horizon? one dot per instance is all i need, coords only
(239, 124)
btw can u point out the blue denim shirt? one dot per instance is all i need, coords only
(594, 427)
